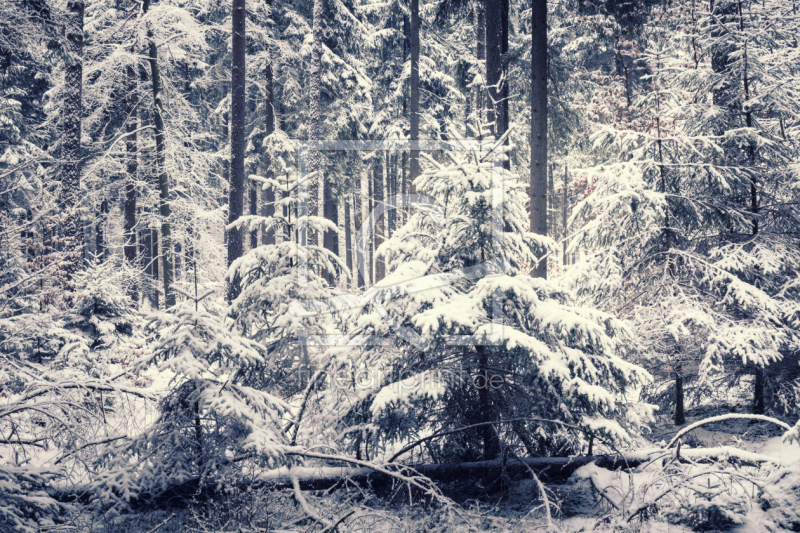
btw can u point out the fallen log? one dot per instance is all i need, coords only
(551, 470)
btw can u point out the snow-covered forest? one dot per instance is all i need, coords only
(404, 265)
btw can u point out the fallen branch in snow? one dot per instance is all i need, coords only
(723, 418)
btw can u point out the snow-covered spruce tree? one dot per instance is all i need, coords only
(550, 359)
(216, 421)
(275, 276)
(676, 230)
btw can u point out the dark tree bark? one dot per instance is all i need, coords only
(178, 253)
(370, 267)
(236, 189)
(538, 184)
(99, 234)
(491, 441)
(268, 210)
(226, 165)
(163, 179)
(268, 201)
(480, 38)
(680, 413)
(391, 177)
(72, 118)
(314, 111)
(504, 50)
(147, 257)
(253, 211)
(414, 93)
(564, 214)
(493, 10)
(154, 255)
(132, 149)
(377, 187)
(348, 236)
(331, 213)
(361, 253)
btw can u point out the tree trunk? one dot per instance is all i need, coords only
(226, 167)
(163, 180)
(99, 234)
(314, 111)
(414, 94)
(680, 415)
(147, 256)
(178, 253)
(494, 35)
(268, 200)
(361, 249)
(370, 238)
(254, 212)
(504, 50)
(480, 34)
(348, 237)
(758, 396)
(377, 187)
(132, 149)
(236, 190)
(330, 238)
(491, 441)
(72, 117)
(564, 215)
(538, 185)
(154, 255)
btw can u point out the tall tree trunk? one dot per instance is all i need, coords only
(254, 212)
(361, 249)
(178, 253)
(391, 176)
(132, 149)
(414, 94)
(314, 111)
(348, 238)
(268, 210)
(491, 442)
(494, 35)
(226, 166)
(538, 185)
(163, 179)
(154, 254)
(377, 188)
(371, 238)
(551, 201)
(236, 190)
(100, 235)
(330, 238)
(268, 201)
(147, 289)
(480, 34)
(504, 50)
(564, 214)
(680, 414)
(72, 118)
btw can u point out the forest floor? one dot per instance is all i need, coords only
(515, 508)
